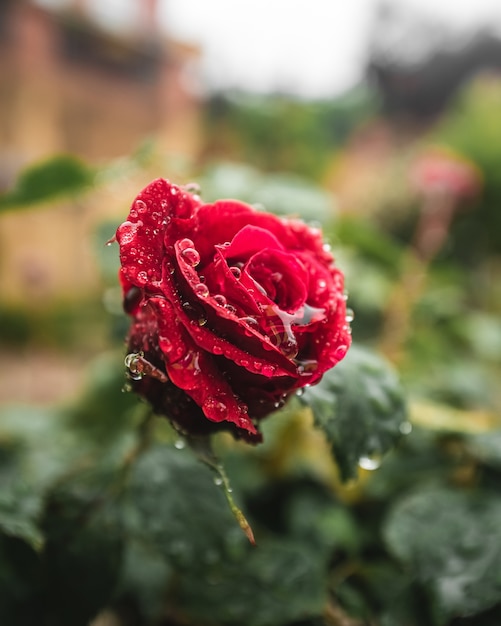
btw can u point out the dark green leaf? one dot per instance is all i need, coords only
(173, 507)
(20, 583)
(58, 176)
(360, 406)
(173, 504)
(451, 541)
(20, 509)
(144, 579)
(82, 551)
(276, 583)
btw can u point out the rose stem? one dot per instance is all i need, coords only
(203, 450)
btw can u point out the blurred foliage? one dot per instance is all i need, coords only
(62, 175)
(472, 127)
(281, 134)
(374, 498)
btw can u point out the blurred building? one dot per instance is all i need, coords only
(67, 85)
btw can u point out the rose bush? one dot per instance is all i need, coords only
(233, 309)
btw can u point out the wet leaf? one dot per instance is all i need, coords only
(82, 551)
(276, 583)
(21, 598)
(360, 406)
(451, 541)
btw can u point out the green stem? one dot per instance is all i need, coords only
(203, 450)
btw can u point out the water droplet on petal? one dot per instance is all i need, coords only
(201, 290)
(165, 344)
(236, 271)
(217, 350)
(220, 299)
(192, 188)
(340, 352)
(142, 277)
(299, 392)
(140, 206)
(268, 370)
(215, 409)
(191, 256)
(185, 243)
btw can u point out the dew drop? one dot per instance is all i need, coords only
(236, 271)
(350, 315)
(268, 370)
(218, 481)
(111, 241)
(191, 256)
(131, 362)
(192, 188)
(185, 243)
(180, 444)
(217, 350)
(140, 206)
(250, 321)
(142, 277)
(326, 247)
(405, 428)
(230, 308)
(215, 409)
(220, 299)
(165, 344)
(367, 463)
(340, 352)
(300, 392)
(201, 290)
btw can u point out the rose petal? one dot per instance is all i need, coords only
(282, 276)
(196, 372)
(242, 339)
(141, 237)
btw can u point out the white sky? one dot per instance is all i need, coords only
(307, 47)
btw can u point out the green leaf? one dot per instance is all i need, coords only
(20, 509)
(82, 551)
(451, 541)
(58, 176)
(360, 406)
(144, 579)
(279, 582)
(21, 599)
(174, 509)
(172, 503)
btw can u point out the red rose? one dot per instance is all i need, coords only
(233, 309)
